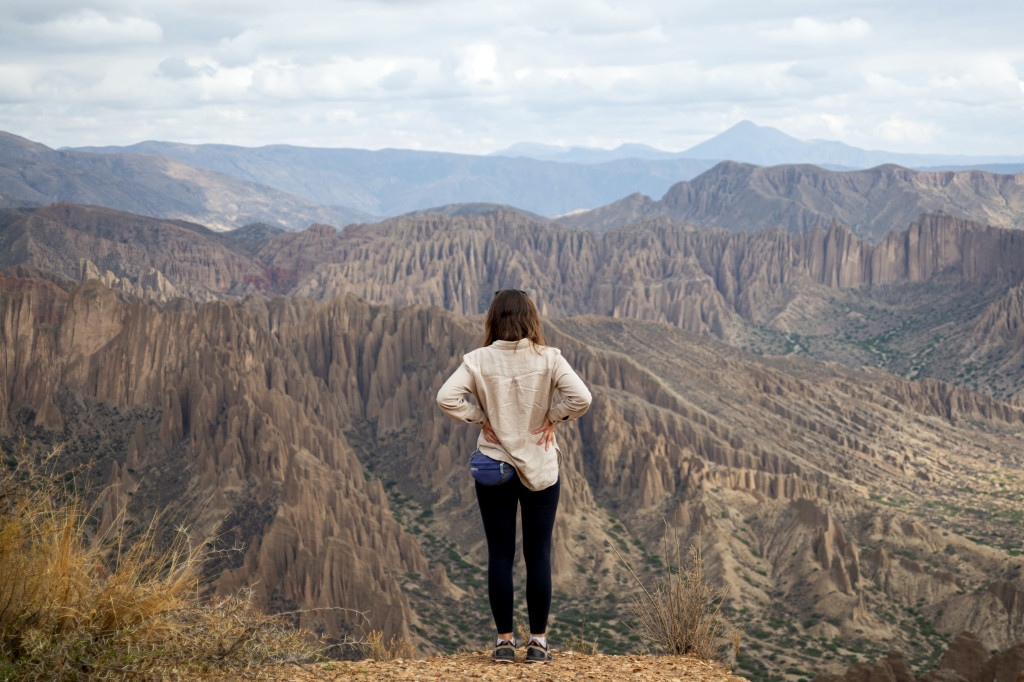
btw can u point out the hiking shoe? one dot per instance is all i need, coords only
(537, 653)
(504, 651)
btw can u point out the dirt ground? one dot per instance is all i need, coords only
(478, 666)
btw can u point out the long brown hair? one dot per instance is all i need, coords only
(511, 317)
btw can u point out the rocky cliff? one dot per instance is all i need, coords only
(241, 431)
(966, 660)
(149, 258)
(305, 433)
(799, 198)
(917, 304)
(647, 271)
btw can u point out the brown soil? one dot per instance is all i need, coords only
(478, 666)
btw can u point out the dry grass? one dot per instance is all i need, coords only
(680, 614)
(79, 607)
(522, 631)
(577, 643)
(374, 646)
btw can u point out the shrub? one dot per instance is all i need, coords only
(397, 647)
(576, 642)
(680, 614)
(75, 607)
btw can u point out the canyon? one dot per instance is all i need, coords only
(817, 376)
(941, 298)
(274, 392)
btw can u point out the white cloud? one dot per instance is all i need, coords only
(15, 83)
(836, 124)
(900, 131)
(459, 74)
(478, 65)
(91, 28)
(402, 79)
(179, 68)
(240, 50)
(980, 80)
(814, 32)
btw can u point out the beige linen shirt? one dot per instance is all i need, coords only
(514, 386)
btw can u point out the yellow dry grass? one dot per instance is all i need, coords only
(79, 607)
(375, 647)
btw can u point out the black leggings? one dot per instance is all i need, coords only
(498, 510)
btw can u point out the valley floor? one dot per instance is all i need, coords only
(477, 665)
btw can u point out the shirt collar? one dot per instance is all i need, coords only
(507, 345)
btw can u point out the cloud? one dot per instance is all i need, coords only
(240, 50)
(403, 79)
(900, 131)
(179, 68)
(808, 31)
(15, 83)
(90, 28)
(460, 75)
(980, 80)
(478, 65)
(586, 18)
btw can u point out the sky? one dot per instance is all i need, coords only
(924, 76)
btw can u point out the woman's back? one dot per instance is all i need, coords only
(514, 383)
(522, 389)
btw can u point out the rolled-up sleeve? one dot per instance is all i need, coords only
(575, 394)
(451, 398)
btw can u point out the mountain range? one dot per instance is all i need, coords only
(542, 179)
(799, 198)
(747, 142)
(390, 182)
(817, 374)
(33, 174)
(303, 186)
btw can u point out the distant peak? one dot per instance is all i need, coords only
(530, 148)
(749, 128)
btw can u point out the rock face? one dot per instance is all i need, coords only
(146, 257)
(892, 668)
(305, 432)
(940, 299)
(966, 660)
(915, 304)
(967, 656)
(245, 420)
(700, 280)
(454, 258)
(800, 198)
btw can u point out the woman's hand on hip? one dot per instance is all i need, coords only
(548, 429)
(489, 434)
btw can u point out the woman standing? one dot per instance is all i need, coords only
(513, 378)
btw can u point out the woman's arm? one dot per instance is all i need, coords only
(451, 398)
(575, 394)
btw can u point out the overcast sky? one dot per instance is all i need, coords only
(933, 76)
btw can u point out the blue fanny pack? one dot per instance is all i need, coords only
(489, 471)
